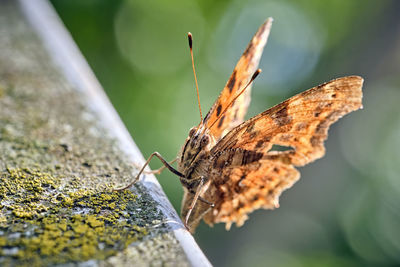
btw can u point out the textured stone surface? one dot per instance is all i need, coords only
(58, 167)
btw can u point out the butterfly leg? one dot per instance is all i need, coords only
(195, 198)
(212, 205)
(166, 164)
(158, 171)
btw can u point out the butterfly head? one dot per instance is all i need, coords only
(198, 141)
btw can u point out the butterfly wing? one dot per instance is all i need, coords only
(245, 68)
(248, 175)
(300, 122)
(242, 189)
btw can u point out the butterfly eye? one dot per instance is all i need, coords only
(192, 131)
(205, 140)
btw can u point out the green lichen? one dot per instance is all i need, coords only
(64, 226)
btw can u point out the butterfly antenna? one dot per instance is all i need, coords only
(194, 72)
(236, 97)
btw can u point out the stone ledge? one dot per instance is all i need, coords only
(62, 151)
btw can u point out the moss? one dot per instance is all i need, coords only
(59, 234)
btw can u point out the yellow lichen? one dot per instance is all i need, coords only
(93, 222)
(58, 234)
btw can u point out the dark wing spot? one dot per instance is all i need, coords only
(301, 126)
(281, 117)
(267, 139)
(314, 141)
(321, 127)
(333, 96)
(242, 177)
(322, 85)
(284, 156)
(251, 156)
(219, 109)
(253, 134)
(250, 128)
(230, 157)
(322, 107)
(260, 144)
(221, 121)
(318, 110)
(232, 81)
(238, 186)
(283, 111)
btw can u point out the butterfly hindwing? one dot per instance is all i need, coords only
(245, 68)
(245, 188)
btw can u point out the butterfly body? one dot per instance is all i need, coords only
(229, 167)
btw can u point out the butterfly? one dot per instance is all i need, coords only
(229, 167)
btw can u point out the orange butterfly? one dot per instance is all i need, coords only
(228, 167)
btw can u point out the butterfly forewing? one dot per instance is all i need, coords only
(245, 68)
(300, 122)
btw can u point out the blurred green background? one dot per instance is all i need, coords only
(345, 210)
